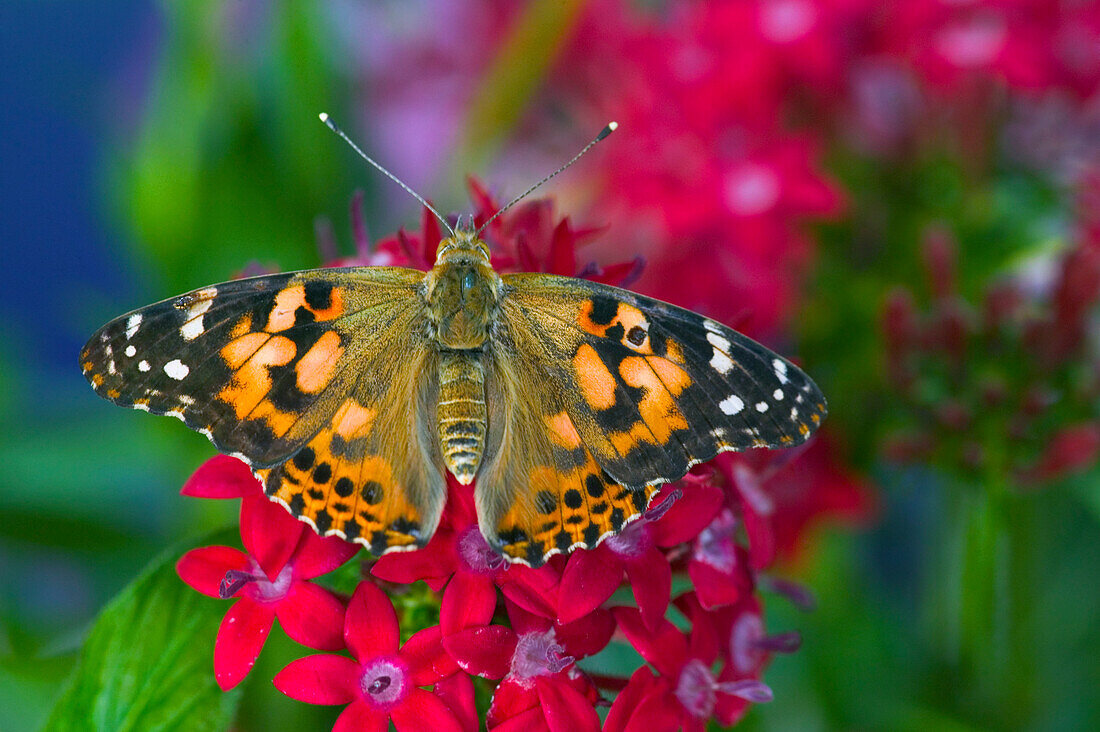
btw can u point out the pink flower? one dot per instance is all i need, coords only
(541, 688)
(686, 693)
(592, 576)
(381, 682)
(459, 559)
(270, 578)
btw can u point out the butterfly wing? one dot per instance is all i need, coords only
(645, 388)
(540, 490)
(295, 374)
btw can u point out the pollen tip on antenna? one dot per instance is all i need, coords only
(611, 127)
(323, 116)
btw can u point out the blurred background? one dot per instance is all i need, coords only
(902, 195)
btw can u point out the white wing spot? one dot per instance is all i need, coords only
(720, 362)
(731, 404)
(176, 369)
(143, 365)
(132, 325)
(780, 367)
(130, 351)
(777, 395)
(794, 412)
(111, 367)
(142, 407)
(193, 328)
(761, 407)
(712, 326)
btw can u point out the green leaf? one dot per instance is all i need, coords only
(148, 660)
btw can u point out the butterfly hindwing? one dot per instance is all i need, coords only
(277, 368)
(652, 388)
(540, 490)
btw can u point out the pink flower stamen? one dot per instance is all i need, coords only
(716, 546)
(384, 683)
(259, 587)
(539, 654)
(696, 689)
(476, 554)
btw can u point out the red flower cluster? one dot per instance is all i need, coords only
(528, 630)
(1008, 368)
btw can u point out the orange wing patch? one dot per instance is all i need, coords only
(339, 489)
(595, 380)
(290, 301)
(568, 503)
(249, 357)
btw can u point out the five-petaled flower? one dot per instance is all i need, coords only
(270, 579)
(381, 682)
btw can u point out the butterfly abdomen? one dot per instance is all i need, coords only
(462, 413)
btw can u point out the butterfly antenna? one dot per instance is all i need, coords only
(332, 126)
(611, 127)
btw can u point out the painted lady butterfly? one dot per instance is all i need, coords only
(352, 391)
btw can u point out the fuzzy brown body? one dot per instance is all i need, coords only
(462, 293)
(351, 392)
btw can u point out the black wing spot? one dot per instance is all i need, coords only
(344, 487)
(372, 492)
(304, 459)
(318, 295)
(573, 498)
(604, 310)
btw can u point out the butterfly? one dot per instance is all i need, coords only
(351, 393)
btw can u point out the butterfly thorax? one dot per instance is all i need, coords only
(463, 292)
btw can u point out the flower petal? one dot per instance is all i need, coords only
(434, 564)
(565, 708)
(535, 590)
(370, 625)
(664, 647)
(512, 701)
(269, 533)
(312, 616)
(641, 684)
(317, 555)
(427, 658)
(222, 477)
(485, 651)
(587, 636)
(716, 588)
(204, 568)
(687, 516)
(469, 600)
(362, 717)
(457, 692)
(241, 636)
(589, 579)
(651, 579)
(530, 720)
(423, 710)
(320, 679)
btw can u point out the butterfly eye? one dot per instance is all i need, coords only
(636, 335)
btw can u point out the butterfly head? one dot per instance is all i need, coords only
(462, 289)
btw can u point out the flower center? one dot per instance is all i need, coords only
(476, 554)
(715, 545)
(752, 189)
(384, 682)
(697, 690)
(259, 587)
(538, 654)
(749, 645)
(783, 21)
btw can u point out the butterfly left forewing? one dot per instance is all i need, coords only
(654, 389)
(313, 378)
